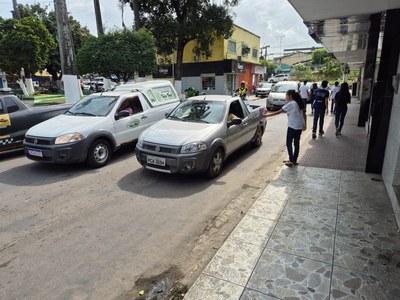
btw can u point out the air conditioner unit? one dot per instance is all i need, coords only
(239, 58)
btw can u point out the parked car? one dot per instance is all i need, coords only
(279, 77)
(100, 123)
(199, 134)
(277, 97)
(16, 118)
(263, 89)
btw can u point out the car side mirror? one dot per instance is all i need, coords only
(121, 114)
(235, 122)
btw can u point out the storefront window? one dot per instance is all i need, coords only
(254, 53)
(231, 46)
(208, 82)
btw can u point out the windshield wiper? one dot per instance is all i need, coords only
(175, 118)
(85, 114)
(69, 112)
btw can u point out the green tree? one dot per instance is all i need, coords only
(318, 56)
(301, 72)
(122, 53)
(270, 66)
(330, 69)
(24, 43)
(79, 34)
(175, 23)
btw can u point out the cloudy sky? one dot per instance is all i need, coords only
(275, 21)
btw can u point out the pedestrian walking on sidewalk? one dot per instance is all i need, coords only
(304, 94)
(320, 106)
(311, 96)
(335, 90)
(297, 122)
(342, 98)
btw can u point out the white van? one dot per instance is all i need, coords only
(279, 77)
(100, 123)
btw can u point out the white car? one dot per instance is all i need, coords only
(277, 97)
(100, 123)
(263, 89)
(279, 77)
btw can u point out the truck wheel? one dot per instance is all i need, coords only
(257, 139)
(99, 153)
(216, 163)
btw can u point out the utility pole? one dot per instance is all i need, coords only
(99, 22)
(16, 14)
(67, 53)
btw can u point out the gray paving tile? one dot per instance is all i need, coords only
(366, 256)
(309, 216)
(359, 200)
(289, 174)
(321, 173)
(348, 284)
(354, 177)
(315, 197)
(253, 230)
(283, 275)
(254, 295)
(314, 243)
(211, 288)
(279, 189)
(268, 207)
(234, 261)
(377, 226)
(320, 179)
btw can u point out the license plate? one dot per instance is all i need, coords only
(35, 152)
(155, 160)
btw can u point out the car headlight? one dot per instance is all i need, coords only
(140, 141)
(69, 138)
(194, 147)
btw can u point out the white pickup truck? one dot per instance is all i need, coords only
(100, 123)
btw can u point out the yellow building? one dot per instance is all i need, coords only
(233, 60)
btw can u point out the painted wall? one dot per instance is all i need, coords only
(220, 48)
(391, 163)
(195, 81)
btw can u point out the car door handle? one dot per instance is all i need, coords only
(144, 117)
(244, 123)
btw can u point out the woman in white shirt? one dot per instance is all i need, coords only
(297, 122)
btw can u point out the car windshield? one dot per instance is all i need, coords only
(199, 111)
(93, 105)
(265, 85)
(283, 88)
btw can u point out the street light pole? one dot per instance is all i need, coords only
(265, 62)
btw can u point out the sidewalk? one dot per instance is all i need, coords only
(321, 230)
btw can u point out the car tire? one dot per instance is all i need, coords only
(257, 139)
(99, 153)
(216, 163)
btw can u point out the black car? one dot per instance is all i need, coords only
(16, 118)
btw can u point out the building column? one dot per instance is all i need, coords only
(369, 69)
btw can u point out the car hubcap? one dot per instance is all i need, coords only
(100, 153)
(217, 162)
(259, 136)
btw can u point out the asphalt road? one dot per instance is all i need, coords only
(70, 232)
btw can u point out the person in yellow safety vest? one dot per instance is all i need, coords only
(242, 91)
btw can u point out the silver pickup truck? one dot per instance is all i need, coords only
(199, 134)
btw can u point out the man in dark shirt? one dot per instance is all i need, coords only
(321, 108)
